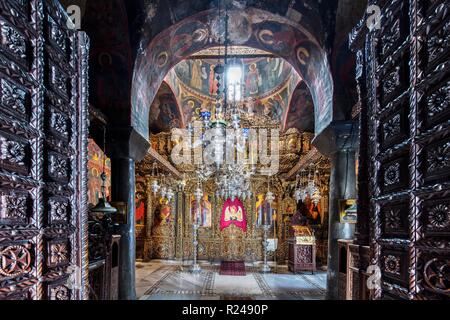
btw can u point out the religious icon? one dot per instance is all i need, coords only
(206, 211)
(95, 167)
(202, 214)
(213, 83)
(314, 213)
(233, 212)
(165, 213)
(348, 210)
(265, 214)
(140, 211)
(253, 79)
(196, 74)
(162, 213)
(259, 208)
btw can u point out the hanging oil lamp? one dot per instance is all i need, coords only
(103, 206)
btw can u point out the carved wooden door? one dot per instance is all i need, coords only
(407, 65)
(43, 124)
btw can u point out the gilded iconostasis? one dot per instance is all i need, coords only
(272, 96)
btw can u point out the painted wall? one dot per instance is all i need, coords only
(164, 112)
(95, 168)
(273, 85)
(250, 27)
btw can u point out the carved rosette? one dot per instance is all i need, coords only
(61, 293)
(58, 253)
(58, 166)
(12, 40)
(438, 158)
(15, 261)
(58, 211)
(14, 207)
(392, 174)
(438, 217)
(436, 275)
(13, 96)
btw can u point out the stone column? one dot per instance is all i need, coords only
(339, 142)
(126, 147)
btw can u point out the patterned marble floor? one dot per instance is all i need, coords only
(163, 280)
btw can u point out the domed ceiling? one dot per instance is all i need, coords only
(267, 85)
(271, 91)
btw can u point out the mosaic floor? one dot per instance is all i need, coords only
(160, 280)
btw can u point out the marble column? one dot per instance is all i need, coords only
(339, 142)
(126, 147)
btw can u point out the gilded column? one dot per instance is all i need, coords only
(148, 220)
(180, 205)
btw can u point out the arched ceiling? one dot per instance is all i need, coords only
(267, 85)
(248, 27)
(120, 31)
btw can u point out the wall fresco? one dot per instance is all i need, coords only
(258, 29)
(164, 111)
(95, 168)
(191, 84)
(301, 110)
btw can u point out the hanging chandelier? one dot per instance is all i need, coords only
(269, 195)
(232, 178)
(103, 206)
(307, 185)
(164, 192)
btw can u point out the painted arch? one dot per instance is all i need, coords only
(249, 27)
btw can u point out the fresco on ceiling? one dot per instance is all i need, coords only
(253, 28)
(268, 97)
(261, 76)
(95, 168)
(164, 113)
(161, 14)
(301, 110)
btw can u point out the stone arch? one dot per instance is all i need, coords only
(259, 29)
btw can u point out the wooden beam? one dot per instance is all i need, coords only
(160, 159)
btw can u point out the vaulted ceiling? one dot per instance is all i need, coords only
(119, 31)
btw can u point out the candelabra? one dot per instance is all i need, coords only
(195, 268)
(265, 267)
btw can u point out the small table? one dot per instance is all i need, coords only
(302, 257)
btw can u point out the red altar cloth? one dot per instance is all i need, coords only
(233, 212)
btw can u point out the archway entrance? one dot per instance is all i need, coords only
(268, 95)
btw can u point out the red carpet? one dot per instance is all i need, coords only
(232, 268)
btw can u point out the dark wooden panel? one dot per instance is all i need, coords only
(43, 122)
(405, 90)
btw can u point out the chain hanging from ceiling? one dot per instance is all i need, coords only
(227, 137)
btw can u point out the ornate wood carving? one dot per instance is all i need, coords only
(405, 94)
(43, 153)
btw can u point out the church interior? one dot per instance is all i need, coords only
(224, 150)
